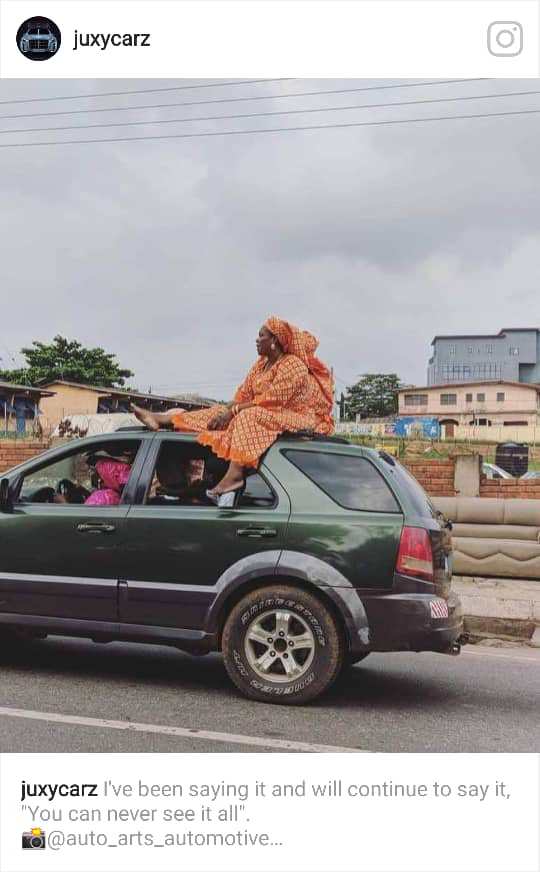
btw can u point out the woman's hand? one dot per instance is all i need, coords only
(221, 420)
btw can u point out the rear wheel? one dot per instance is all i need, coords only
(282, 644)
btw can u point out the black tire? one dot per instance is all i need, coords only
(317, 655)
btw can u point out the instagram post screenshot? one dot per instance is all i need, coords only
(270, 435)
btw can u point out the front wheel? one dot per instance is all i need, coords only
(282, 644)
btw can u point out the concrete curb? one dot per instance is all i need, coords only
(500, 607)
(535, 638)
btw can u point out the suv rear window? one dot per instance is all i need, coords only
(352, 482)
(417, 495)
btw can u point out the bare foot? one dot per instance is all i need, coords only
(145, 417)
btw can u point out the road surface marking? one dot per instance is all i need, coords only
(209, 736)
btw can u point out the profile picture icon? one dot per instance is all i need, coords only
(38, 38)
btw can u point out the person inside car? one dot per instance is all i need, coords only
(113, 476)
(178, 480)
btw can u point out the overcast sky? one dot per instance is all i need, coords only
(172, 252)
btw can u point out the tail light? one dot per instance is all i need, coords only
(415, 556)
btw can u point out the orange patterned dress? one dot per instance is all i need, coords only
(290, 395)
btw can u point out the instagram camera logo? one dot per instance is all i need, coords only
(505, 38)
(35, 839)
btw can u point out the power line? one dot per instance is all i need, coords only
(199, 384)
(228, 380)
(214, 133)
(268, 114)
(241, 99)
(143, 91)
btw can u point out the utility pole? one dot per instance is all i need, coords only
(335, 411)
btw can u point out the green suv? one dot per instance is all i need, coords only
(331, 551)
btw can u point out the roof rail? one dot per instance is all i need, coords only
(287, 434)
(314, 437)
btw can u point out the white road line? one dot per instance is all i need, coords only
(531, 659)
(206, 735)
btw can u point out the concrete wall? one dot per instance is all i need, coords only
(360, 428)
(497, 433)
(499, 606)
(68, 400)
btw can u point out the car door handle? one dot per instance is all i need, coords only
(96, 528)
(257, 532)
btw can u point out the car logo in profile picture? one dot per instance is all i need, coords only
(38, 38)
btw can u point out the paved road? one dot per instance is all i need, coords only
(73, 695)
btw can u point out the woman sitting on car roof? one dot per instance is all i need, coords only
(286, 389)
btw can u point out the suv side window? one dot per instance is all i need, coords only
(352, 482)
(184, 471)
(258, 494)
(94, 475)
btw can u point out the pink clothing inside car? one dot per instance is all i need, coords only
(103, 497)
(114, 474)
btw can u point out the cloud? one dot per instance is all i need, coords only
(171, 253)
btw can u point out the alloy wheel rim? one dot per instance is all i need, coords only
(279, 646)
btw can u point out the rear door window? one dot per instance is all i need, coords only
(258, 494)
(352, 482)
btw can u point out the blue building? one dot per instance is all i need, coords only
(513, 354)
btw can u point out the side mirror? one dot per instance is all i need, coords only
(5, 496)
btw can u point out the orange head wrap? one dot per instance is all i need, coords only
(302, 344)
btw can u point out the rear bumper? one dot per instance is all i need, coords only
(414, 622)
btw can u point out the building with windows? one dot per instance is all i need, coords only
(511, 355)
(474, 404)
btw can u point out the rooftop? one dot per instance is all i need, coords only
(126, 392)
(196, 398)
(9, 386)
(486, 335)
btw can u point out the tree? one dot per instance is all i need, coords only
(373, 396)
(69, 360)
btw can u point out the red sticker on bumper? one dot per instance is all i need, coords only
(439, 608)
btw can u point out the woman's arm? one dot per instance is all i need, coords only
(242, 400)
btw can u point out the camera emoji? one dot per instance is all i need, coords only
(505, 39)
(35, 839)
